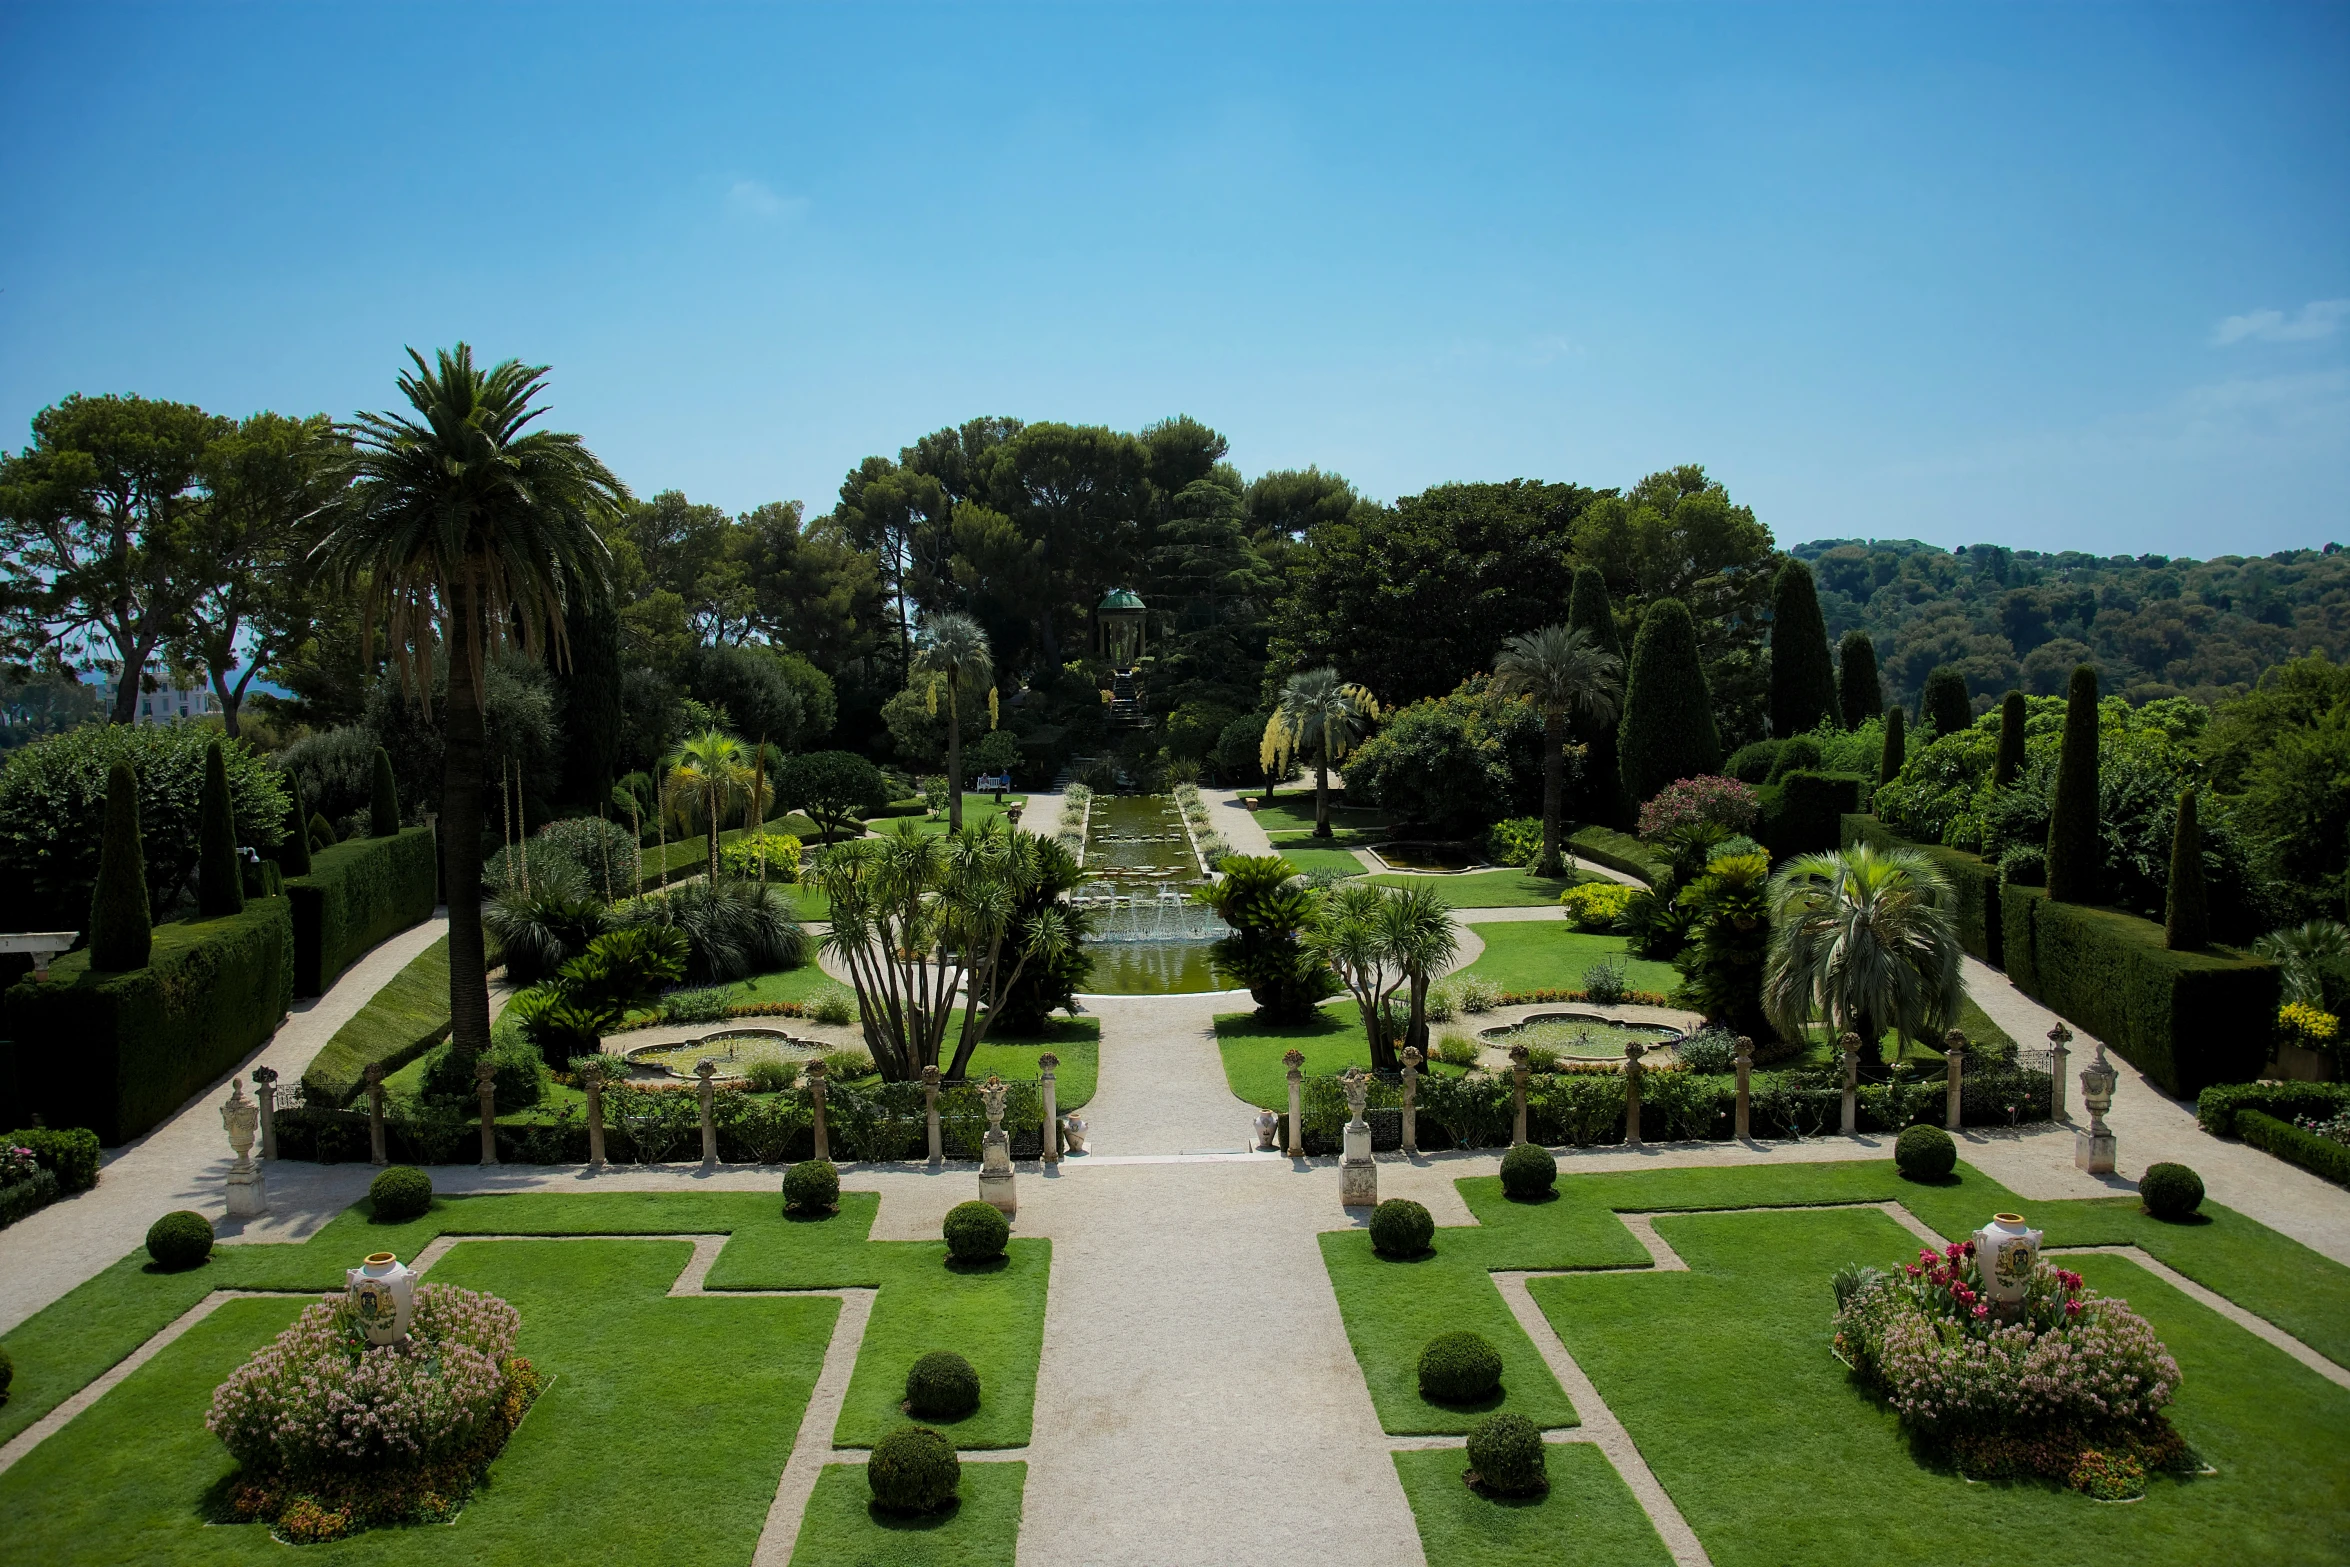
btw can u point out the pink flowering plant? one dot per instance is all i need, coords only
(1695, 802)
(17, 1164)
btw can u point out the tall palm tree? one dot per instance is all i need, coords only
(706, 773)
(1422, 941)
(1866, 939)
(1351, 935)
(955, 648)
(466, 529)
(1324, 715)
(1566, 674)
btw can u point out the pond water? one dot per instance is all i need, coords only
(1583, 1035)
(1148, 937)
(1429, 856)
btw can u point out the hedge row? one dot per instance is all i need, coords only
(119, 1052)
(356, 894)
(1619, 851)
(19, 1199)
(2217, 1107)
(2186, 1019)
(1975, 879)
(70, 1154)
(400, 1022)
(2320, 1156)
(1803, 813)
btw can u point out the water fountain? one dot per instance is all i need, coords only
(1147, 936)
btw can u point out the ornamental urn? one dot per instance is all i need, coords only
(2006, 1252)
(382, 1294)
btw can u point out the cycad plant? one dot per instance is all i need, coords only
(1567, 674)
(1321, 716)
(955, 650)
(1865, 939)
(2303, 953)
(1269, 907)
(705, 774)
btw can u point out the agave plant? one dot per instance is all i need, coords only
(731, 928)
(546, 927)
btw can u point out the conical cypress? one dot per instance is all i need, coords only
(121, 930)
(294, 858)
(1803, 678)
(2073, 851)
(2010, 760)
(1601, 792)
(220, 883)
(383, 809)
(1896, 749)
(1857, 687)
(2186, 920)
(1668, 729)
(1943, 708)
(322, 831)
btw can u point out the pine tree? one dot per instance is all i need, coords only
(220, 880)
(1896, 748)
(1803, 677)
(1668, 728)
(1857, 686)
(1943, 707)
(2074, 855)
(1601, 796)
(2010, 760)
(121, 930)
(294, 858)
(2186, 919)
(383, 806)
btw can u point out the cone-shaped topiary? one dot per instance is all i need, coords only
(294, 857)
(1506, 1456)
(2074, 854)
(1943, 708)
(976, 1232)
(322, 832)
(1601, 789)
(1400, 1227)
(913, 1470)
(2010, 760)
(121, 931)
(2186, 918)
(1459, 1368)
(1803, 677)
(179, 1240)
(1924, 1153)
(1858, 689)
(942, 1386)
(1896, 749)
(2170, 1191)
(401, 1193)
(811, 1187)
(1668, 728)
(383, 802)
(1528, 1172)
(220, 880)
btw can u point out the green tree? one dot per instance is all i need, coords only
(956, 654)
(1896, 751)
(996, 753)
(1350, 935)
(1943, 707)
(835, 789)
(2010, 760)
(1421, 941)
(1565, 673)
(2186, 917)
(383, 799)
(293, 856)
(705, 776)
(1730, 936)
(121, 928)
(220, 880)
(2074, 853)
(1259, 896)
(1865, 939)
(1803, 678)
(1321, 716)
(1668, 726)
(466, 525)
(1601, 796)
(1859, 692)
(593, 710)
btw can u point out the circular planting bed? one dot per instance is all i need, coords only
(735, 1050)
(1583, 1036)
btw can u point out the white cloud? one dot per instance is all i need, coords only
(2319, 318)
(758, 200)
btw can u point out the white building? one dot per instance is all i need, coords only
(169, 703)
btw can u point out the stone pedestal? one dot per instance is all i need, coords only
(248, 1193)
(1045, 1065)
(1358, 1174)
(996, 1187)
(595, 1119)
(938, 1152)
(1295, 1060)
(707, 1071)
(2093, 1147)
(1953, 1052)
(1742, 1126)
(1632, 1074)
(265, 1094)
(1519, 1057)
(485, 1080)
(1411, 1110)
(823, 1148)
(2060, 1039)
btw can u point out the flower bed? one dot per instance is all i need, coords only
(334, 1435)
(2068, 1385)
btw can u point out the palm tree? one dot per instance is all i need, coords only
(1867, 939)
(465, 530)
(1421, 941)
(1566, 674)
(705, 774)
(2301, 954)
(955, 648)
(1351, 935)
(1320, 713)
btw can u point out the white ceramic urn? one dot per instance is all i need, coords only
(382, 1293)
(2006, 1252)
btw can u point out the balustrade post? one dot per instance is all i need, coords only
(2060, 1039)
(265, 1093)
(1851, 1043)
(823, 1148)
(1742, 1125)
(1632, 1074)
(1052, 1111)
(938, 1151)
(1411, 1113)
(1518, 1066)
(1295, 1060)
(485, 1083)
(595, 1117)
(707, 1090)
(1953, 1052)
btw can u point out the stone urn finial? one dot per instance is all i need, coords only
(1356, 1085)
(991, 1096)
(240, 1118)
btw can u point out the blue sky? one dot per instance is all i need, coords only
(2070, 277)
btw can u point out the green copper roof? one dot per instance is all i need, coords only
(1120, 598)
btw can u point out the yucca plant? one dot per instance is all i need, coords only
(1865, 939)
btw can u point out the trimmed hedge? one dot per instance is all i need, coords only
(140, 1043)
(2186, 1019)
(1803, 813)
(400, 1022)
(20, 1198)
(356, 894)
(1619, 851)
(180, 1239)
(2217, 1107)
(1981, 929)
(71, 1155)
(2320, 1156)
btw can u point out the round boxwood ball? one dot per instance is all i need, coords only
(1925, 1153)
(976, 1232)
(1459, 1368)
(2170, 1191)
(913, 1470)
(1400, 1227)
(1528, 1172)
(812, 1186)
(942, 1386)
(402, 1192)
(1505, 1454)
(179, 1240)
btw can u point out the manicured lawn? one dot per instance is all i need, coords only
(686, 857)
(1076, 1040)
(790, 984)
(992, 1318)
(1292, 811)
(1329, 862)
(978, 809)
(1973, 1022)
(1526, 955)
(1589, 1516)
(1499, 889)
(1252, 1051)
(399, 1023)
(842, 1528)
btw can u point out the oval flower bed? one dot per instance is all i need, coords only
(335, 1435)
(2070, 1387)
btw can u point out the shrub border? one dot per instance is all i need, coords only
(357, 893)
(2320, 1156)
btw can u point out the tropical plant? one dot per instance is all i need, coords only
(1318, 716)
(731, 928)
(1866, 939)
(2303, 953)
(955, 652)
(466, 528)
(1730, 934)
(1422, 942)
(1051, 979)
(703, 777)
(1566, 673)
(1355, 934)
(1269, 908)
(542, 929)
(834, 788)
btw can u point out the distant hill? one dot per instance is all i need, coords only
(2154, 625)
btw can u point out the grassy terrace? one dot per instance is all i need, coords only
(1525, 955)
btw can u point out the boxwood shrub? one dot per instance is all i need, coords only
(941, 1386)
(356, 894)
(1803, 811)
(71, 1154)
(2170, 1191)
(1459, 1368)
(2320, 1156)
(976, 1232)
(20, 1198)
(2217, 1107)
(1401, 1227)
(914, 1470)
(401, 1193)
(1925, 1153)
(179, 1240)
(812, 1187)
(1506, 1456)
(1528, 1172)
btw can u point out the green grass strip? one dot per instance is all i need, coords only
(1252, 1051)
(842, 1528)
(1524, 955)
(400, 1022)
(1588, 1516)
(1498, 889)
